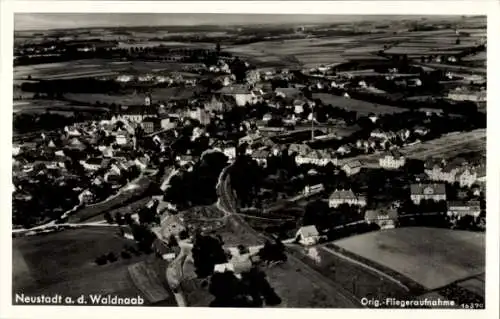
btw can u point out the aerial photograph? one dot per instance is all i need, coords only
(249, 160)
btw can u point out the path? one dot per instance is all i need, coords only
(380, 273)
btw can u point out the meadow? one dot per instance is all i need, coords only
(63, 263)
(402, 250)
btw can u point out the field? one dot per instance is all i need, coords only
(448, 255)
(363, 108)
(63, 263)
(114, 202)
(158, 94)
(39, 106)
(91, 68)
(445, 147)
(352, 277)
(147, 280)
(448, 146)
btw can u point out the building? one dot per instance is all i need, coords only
(312, 189)
(378, 133)
(468, 96)
(339, 197)
(352, 167)
(316, 157)
(461, 209)
(222, 268)
(86, 197)
(307, 235)
(431, 191)
(241, 93)
(199, 114)
(385, 219)
(151, 124)
(261, 156)
(121, 139)
(392, 160)
(92, 164)
(458, 170)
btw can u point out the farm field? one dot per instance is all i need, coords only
(352, 277)
(314, 292)
(39, 106)
(90, 68)
(446, 147)
(402, 250)
(363, 108)
(63, 263)
(159, 94)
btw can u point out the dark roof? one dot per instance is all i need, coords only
(94, 160)
(429, 189)
(235, 89)
(470, 205)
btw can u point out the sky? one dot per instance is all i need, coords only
(43, 21)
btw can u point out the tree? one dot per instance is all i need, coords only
(207, 252)
(108, 217)
(119, 219)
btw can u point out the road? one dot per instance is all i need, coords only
(227, 203)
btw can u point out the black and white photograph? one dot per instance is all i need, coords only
(249, 161)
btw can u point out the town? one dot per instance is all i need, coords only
(252, 166)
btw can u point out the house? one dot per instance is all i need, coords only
(289, 92)
(307, 235)
(431, 191)
(92, 164)
(420, 130)
(222, 268)
(142, 162)
(385, 219)
(261, 156)
(86, 197)
(214, 104)
(339, 197)
(461, 209)
(241, 94)
(151, 124)
(172, 225)
(392, 160)
(378, 133)
(429, 111)
(321, 157)
(344, 150)
(313, 189)
(121, 138)
(352, 167)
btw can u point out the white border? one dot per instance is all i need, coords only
(478, 7)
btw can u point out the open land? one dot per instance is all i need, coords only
(363, 108)
(446, 147)
(63, 263)
(403, 249)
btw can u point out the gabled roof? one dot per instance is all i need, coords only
(343, 194)
(354, 164)
(235, 89)
(308, 231)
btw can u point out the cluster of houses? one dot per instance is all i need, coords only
(106, 155)
(458, 171)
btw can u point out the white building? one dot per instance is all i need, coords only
(392, 160)
(339, 197)
(307, 235)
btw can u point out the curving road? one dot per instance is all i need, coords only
(227, 203)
